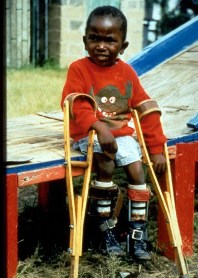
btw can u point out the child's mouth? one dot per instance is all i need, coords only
(102, 57)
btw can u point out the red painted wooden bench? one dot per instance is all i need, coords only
(41, 139)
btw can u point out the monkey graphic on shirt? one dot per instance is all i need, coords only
(111, 103)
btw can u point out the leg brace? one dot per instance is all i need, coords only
(136, 198)
(102, 204)
(137, 222)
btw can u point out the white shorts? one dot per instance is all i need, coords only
(128, 149)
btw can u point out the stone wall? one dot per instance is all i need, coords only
(65, 33)
(17, 33)
(67, 23)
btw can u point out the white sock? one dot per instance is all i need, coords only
(103, 184)
(137, 187)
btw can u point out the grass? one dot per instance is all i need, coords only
(42, 234)
(32, 90)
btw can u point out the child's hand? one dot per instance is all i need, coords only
(159, 162)
(106, 139)
(107, 142)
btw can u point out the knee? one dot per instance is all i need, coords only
(107, 168)
(135, 173)
(104, 168)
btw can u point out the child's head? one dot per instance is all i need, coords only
(105, 35)
(109, 11)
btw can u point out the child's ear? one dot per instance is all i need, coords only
(124, 46)
(84, 40)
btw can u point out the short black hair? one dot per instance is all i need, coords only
(109, 10)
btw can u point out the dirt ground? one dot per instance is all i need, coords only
(43, 242)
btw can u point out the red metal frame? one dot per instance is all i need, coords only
(184, 171)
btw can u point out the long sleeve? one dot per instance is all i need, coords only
(150, 124)
(153, 133)
(84, 115)
(74, 83)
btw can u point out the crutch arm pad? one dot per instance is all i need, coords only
(146, 107)
(72, 97)
(138, 195)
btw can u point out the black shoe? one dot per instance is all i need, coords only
(140, 251)
(110, 245)
(139, 246)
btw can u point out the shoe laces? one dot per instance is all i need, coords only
(140, 244)
(110, 239)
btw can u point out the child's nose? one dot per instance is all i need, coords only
(101, 45)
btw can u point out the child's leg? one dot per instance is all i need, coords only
(103, 195)
(103, 166)
(138, 197)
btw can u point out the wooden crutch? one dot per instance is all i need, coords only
(77, 204)
(166, 199)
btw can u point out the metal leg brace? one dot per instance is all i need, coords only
(166, 199)
(137, 233)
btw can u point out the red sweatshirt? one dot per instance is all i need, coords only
(116, 90)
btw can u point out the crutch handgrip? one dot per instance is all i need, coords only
(80, 164)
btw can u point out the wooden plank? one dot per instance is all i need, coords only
(37, 138)
(184, 139)
(173, 85)
(194, 49)
(43, 175)
(57, 115)
(187, 57)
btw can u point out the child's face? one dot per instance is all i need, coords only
(103, 40)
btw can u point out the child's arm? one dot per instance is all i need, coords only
(105, 137)
(155, 139)
(149, 113)
(83, 110)
(150, 124)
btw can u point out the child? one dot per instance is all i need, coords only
(102, 90)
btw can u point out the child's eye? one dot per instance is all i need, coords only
(93, 38)
(109, 39)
